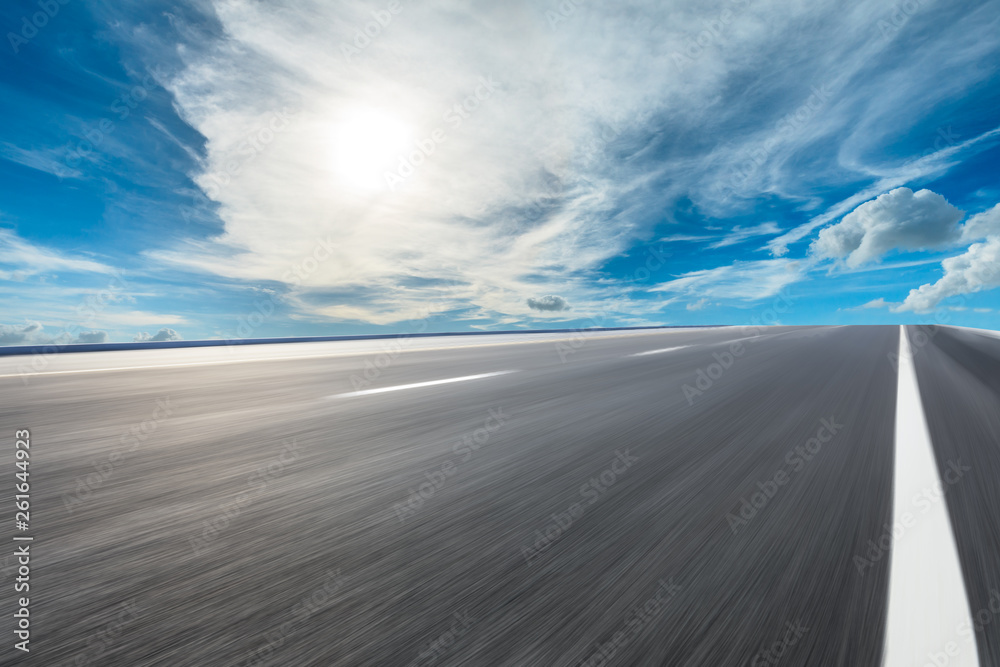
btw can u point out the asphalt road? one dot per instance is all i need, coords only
(580, 501)
(959, 375)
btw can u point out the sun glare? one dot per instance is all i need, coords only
(368, 143)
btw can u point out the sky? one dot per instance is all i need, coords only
(244, 169)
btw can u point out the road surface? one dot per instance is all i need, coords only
(670, 497)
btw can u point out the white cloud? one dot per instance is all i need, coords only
(740, 234)
(24, 259)
(697, 305)
(897, 220)
(49, 160)
(976, 270)
(139, 318)
(563, 166)
(982, 225)
(735, 236)
(32, 333)
(160, 336)
(22, 334)
(749, 281)
(876, 303)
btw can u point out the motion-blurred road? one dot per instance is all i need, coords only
(667, 497)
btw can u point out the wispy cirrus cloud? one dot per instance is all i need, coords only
(472, 156)
(746, 281)
(735, 236)
(20, 258)
(559, 168)
(48, 160)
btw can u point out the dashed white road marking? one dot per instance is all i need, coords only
(666, 349)
(420, 384)
(928, 606)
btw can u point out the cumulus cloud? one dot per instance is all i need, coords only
(92, 337)
(876, 303)
(32, 333)
(698, 305)
(549, 303)
(897, 220)
(21, 334)
(982, 225)
(161, 336)
(976, 270)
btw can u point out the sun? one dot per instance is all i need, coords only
(367, 143)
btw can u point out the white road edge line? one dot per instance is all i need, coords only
(982, 332)
(928, 608)
(420, 384)
(666, 349)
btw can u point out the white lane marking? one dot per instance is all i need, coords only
(666, 349)
(928, 606)
(332, 355)
(715, 343)
(420, 384)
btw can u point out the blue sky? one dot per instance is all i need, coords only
(230, 168)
